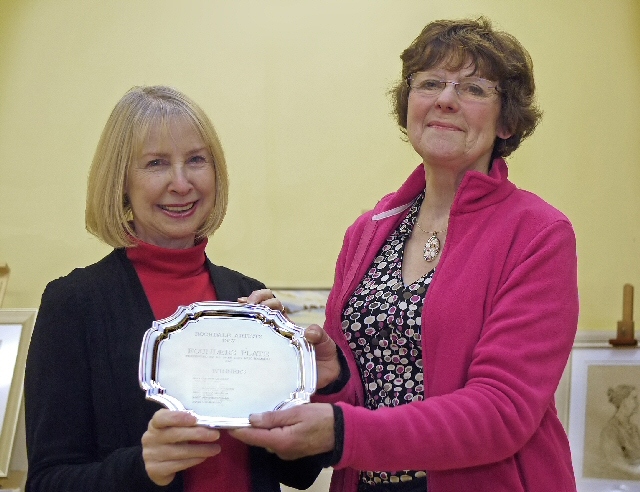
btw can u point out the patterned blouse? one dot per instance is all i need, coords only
(382, 324)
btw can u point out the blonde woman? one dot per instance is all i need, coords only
(157, 190)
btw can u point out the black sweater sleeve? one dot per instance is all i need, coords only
(85, 412)
(63, 439)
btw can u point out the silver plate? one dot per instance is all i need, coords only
(222, 361)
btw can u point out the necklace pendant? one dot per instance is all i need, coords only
(431, 248)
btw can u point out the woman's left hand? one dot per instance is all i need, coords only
(294, 433)
(263, 296)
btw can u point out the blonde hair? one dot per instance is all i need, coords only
(108, 212)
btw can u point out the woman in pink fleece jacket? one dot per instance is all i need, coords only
(455, 300)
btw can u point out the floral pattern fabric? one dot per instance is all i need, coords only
(382, 323)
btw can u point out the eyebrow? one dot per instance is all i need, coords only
(468, 76)
(201, 149)
(165, 154)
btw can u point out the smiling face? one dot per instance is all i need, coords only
(171, 185)
(448, 132)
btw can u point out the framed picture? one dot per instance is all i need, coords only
(604, 417)
(584, 339)
(4, 280)
(16, 326)
(304, 306)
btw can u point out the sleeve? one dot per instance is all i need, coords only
(63, 450)
(342, 389)
(267, 467)
(343, 378)
(299, 474)
(515, 367)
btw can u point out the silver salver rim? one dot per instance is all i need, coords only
(161, 330)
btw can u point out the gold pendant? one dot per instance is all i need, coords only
(431, 248)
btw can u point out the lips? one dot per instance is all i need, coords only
(443, 125)
(178, 209)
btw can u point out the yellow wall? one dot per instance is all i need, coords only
(297, 91)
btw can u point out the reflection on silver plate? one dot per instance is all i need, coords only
(223, 361)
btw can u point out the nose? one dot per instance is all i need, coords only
(180, 182)
(448, 99)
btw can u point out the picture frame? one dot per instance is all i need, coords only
(604, 415)
(304, 306)
(4, 280)
(584, 339)
(16, 326)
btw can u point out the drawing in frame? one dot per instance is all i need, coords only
(16, 326)
(304, 306)
(604, 417)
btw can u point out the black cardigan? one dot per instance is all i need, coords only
(85, 410)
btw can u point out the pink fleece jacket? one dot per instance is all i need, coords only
(498, 325)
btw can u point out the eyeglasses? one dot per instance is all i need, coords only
(467, 88)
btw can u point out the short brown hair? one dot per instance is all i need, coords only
(496, 55)
(108, 212)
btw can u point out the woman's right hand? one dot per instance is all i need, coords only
(173, 442)
(326, 351)
(326, 355)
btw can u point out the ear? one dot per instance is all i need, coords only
(503, 134)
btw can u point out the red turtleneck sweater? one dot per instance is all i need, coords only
(179, 277)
